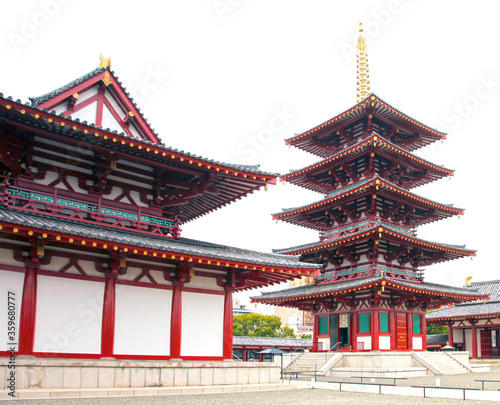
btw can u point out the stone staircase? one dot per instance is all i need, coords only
(309, 363)
(443, 363)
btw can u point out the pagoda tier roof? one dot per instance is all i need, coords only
(431, 210)
(268, 268)
(414, 134)
(295, 297)
(438, 252)
(475, 309)
(318, 177)
(233, 181)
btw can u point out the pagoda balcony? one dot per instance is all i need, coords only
(364, 224)
(100, 212)
(360, 271)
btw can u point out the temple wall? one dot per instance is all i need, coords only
(62, 373)
(142, 320)
(202, 324)
(68, 315)
(69, 311)
(13, 282)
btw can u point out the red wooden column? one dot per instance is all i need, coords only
(176, 322)
(315, 333)
(450, 334)
(474, 338)
(375, 328)
(423, 331)
(352, 330)
(227, 346)
(108, 317)
(28, 311)
(244, 355)
(392, 329)
(409, 323)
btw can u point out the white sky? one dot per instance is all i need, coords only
(211, 76)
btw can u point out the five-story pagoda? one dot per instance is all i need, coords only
(370, 294)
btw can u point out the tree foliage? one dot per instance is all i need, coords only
(435, 329)
(306, 337)
(260, 325)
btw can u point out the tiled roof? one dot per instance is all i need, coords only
(181, 245)
(249, 168)
(440, 339)
(377, 225)
(36, 101)
(359, 184)
(271, 341)
(361, 140)
(464, 311)
(310, 290)
(474, 308)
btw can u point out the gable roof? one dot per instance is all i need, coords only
(110, 81)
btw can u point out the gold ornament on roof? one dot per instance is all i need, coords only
(104, 61)
(363, 78)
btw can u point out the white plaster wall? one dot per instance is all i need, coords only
(202, 324)
(468, 341)
(478, 342)
(384, 343)
(209, 283)
(142, 320)
(109, 121)
(73, 181)
(417, 343)
(87, 114)
(10, 281)
(7, 257)
(324, 343)
(367, 340)
(458, 336)
(57, 263)
(68, 315)
(87, 94)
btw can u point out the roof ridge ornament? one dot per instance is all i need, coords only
(363, 76)
(104, 61)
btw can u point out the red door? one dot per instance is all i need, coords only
(485, 336)
(401, 331)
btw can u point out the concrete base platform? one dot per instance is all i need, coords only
(104, 375)
(128, 392)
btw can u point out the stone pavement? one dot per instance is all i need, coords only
(302, 396)
(287, 397)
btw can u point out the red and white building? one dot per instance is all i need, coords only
(92, 205)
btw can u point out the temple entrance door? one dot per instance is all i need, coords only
(344, 329)
(485, 336)
(401, 331)
(333, 330)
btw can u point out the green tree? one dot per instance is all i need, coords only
(260, 325)
(435, 329)
(306, 337)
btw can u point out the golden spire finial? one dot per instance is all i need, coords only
(104, 61)
(363, 81)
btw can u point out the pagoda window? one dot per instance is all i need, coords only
(384, 322)
(323, 325)
(416, 324)
(364, 322)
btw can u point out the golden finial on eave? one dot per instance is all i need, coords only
(104, 61)
(363, 76)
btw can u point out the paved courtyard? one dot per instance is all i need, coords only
(298, 396)
(288, 397)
